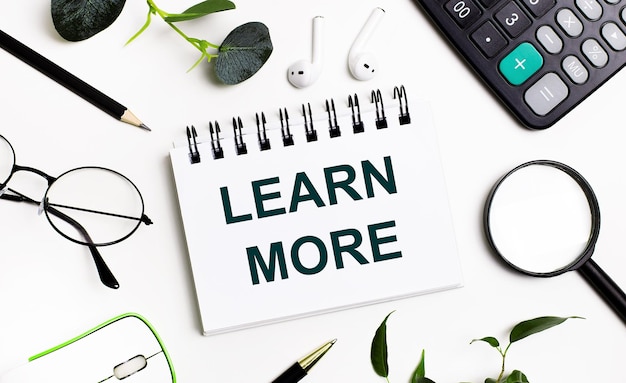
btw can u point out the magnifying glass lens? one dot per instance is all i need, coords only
(540, 220)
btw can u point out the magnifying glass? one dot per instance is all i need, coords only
(542, 218)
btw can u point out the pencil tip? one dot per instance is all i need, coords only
(130, 118)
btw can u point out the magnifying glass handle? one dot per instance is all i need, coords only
(604, 285)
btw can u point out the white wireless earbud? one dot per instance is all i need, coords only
(304, 73)
(362, 64)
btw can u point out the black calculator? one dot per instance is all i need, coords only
(541, 57)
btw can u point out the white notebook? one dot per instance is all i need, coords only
(316, 215)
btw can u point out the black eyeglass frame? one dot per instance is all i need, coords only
(105, 274)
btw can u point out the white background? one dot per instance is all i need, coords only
(49, 291)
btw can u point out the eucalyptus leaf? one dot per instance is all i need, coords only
(201, 9)
(516, 377)
(493, 342)
(77, 20)
(243, 52)
(533, 326)
(378, 353)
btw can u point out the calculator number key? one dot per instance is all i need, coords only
(464, 12)
(489, 40)
(513, 20)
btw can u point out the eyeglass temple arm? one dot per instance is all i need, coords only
(12, 197)
(105, 274)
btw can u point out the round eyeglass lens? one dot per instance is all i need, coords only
(94, 205)
(540, 220)
(7, 160)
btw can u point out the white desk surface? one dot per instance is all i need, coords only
(48, 288)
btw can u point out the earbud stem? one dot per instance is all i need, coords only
(318, 39)
(367, 30)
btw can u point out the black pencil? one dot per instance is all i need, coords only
(68, 80)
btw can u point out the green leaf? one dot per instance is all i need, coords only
(493, 342)
(516, 377)
(420, 371)
(490, 380)
(199, 10)
(243, 52)
(77, 20)
(533, 326)
(378, 353)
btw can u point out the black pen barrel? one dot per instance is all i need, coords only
(291, 375)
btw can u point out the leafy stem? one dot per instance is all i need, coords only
(503, 368)
(199, 44)
(519, 332)
(144, 26)
(242, 53)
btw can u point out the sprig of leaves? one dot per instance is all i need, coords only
(242, 53)
(379, 353)
(519, 332)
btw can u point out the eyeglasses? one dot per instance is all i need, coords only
(91, 206)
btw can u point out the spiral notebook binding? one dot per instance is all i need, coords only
(357, 123)
(400, 94)
(333, 127)
(381, 120)
(264, 142)
(240, 145)
(284, 128)
(194, 154)
(311, 133)
(358, 126)
(216, 147)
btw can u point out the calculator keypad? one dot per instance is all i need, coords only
(541, 57)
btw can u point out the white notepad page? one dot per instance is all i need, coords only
(318, 226)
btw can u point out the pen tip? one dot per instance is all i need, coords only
(144, 126)
(310, 360)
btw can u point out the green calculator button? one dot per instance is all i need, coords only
(521, 63)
